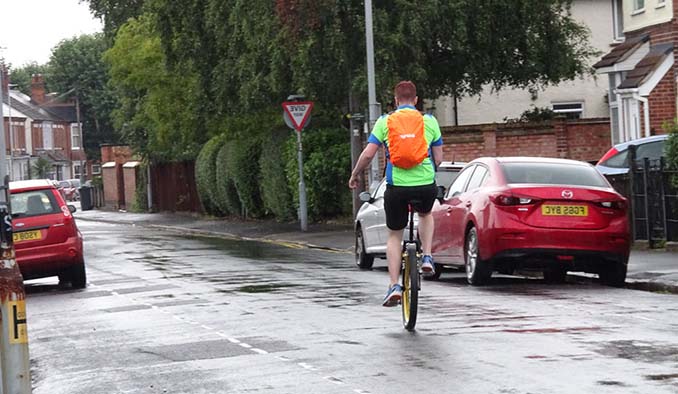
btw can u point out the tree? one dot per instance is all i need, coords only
(115, 13)
(21, 76)
(76, 65)
(41, 168)
(158, 108)
(251, 53)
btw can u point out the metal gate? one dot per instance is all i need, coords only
(654, 200)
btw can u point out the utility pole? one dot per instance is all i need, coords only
(82, 140)
(14, 360)
(11, 134)
(374, 106)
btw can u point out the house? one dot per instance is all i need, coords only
(583, 98)
(41, 126)
(641, 70)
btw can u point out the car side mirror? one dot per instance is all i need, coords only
(72, 208)
(441, 193)
(365, 197)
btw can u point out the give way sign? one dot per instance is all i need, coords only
(298, 113)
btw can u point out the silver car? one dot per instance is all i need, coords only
(370, 222)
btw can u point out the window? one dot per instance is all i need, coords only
(457, 186)
(553, 174)
(570, 110)
(478, 178)
(76, 170)
(96, 169)
(47, 136)
(652, 150)
(445, 176)
(75, 136)
(638, 5)
(34, 203)
(618, 20)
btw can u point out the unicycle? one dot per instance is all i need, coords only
(411, 280)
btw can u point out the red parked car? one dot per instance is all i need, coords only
(46, 238)
(528, 213)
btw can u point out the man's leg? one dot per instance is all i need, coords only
(425, 228)
(394, 252)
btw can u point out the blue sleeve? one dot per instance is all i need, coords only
(374, 140)
(437, 142)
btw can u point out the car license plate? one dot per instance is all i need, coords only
(565, 210)
(27, 236)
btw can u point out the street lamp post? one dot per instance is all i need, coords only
(374, 106)
(11, 132)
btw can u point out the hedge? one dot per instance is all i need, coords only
(227, 196)
(205, 174)
(275, 190)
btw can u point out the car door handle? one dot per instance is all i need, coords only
(468, 204)
(449, 209)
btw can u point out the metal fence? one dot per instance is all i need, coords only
(652, 191)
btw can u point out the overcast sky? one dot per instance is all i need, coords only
(29, 29)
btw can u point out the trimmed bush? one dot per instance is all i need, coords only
(205, 174)
(275, 190)
(140, 203)
(242, 163)
(327, 162)
(227, 196)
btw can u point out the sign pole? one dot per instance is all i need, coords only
(297, 115)
(14, 361)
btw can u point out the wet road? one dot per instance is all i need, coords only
(167, 314)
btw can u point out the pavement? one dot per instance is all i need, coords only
(649, 269)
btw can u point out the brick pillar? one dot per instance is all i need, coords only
(38, 88)
(489, 140)
(560, 129)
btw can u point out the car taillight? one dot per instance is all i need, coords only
(606, 156)
(505, 200)
(617, 204)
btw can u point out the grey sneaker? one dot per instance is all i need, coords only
(427, 265)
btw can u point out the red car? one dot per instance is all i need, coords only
(528, 213)
(46, 238)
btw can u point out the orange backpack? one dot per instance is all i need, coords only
(406, 141)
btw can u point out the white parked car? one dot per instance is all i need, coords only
(370, 222)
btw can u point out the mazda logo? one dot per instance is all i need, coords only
(567, 194)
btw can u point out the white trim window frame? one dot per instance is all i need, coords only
(638, 7)
(571, 109)
(618, 20)
(76, 136)
(96, 169)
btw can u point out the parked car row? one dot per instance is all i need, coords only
(518, 213)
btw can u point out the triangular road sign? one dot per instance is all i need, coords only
(298, 111)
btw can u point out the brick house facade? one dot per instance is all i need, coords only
(642, 70)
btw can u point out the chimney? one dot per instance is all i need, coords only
(37, 88)
(5, 80)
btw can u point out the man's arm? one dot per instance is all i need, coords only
(437, 154)
(365, 158)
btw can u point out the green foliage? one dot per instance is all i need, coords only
(250, 54)
(535, 114)
(158, 108)
(671, 145)
(227, 195)
(41, 168)
(76, 65)
(205, 174)
(115, 13)
(242, 164)
(327, 162)
(21, 76)
(140, 203)
(275, 190)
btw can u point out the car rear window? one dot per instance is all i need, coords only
(553, 174)
(34, 203)
(620, 160)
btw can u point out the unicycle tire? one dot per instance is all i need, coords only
(410, 278)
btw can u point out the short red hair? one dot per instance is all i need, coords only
(405, 91)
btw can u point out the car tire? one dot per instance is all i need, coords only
(362, 259)
(614, 274)
(478, 272)
(76, 275)
(438, 270)
(555, 275)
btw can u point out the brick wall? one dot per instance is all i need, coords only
(130, 175)
(585, 140)
(36, 135)
(662, 103)
(118, 153)
(111, 192)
